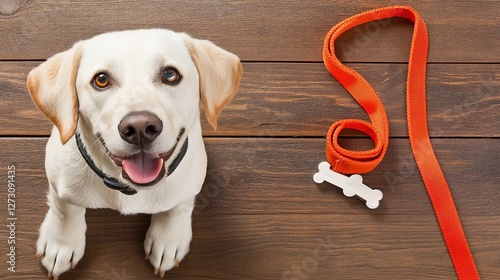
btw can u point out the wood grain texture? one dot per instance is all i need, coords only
(258, 30)
(302, 99)
(260, 216)
(265, 175)
(322, 246)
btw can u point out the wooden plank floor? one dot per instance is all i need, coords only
(260, 215)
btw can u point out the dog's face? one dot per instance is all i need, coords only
(137, 91)
(139, 97)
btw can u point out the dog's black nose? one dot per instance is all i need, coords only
(140, 127)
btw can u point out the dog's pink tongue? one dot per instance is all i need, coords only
(143, 168)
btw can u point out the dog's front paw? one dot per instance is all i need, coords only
(60, 245)
(167, 241)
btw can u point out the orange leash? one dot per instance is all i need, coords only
(348, 161)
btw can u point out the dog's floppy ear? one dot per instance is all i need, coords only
(52, 88)
(220, 74)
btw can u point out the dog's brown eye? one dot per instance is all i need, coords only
(101, 81)
(171, 76)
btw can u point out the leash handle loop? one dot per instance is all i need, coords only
(348, 161)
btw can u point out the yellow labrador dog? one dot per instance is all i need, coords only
(127, 136)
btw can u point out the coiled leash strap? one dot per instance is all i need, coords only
(348, 161)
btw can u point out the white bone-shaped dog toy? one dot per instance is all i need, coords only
(351, 185)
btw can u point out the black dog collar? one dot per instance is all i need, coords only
(113, 183)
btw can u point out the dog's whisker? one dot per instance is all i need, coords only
(99, 145)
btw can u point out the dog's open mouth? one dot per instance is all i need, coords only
(142, 168)
(145, 168)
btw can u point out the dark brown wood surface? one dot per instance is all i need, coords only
(461, 31)
(259, 214)
(302, 99)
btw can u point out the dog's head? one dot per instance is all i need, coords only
(137, 91)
